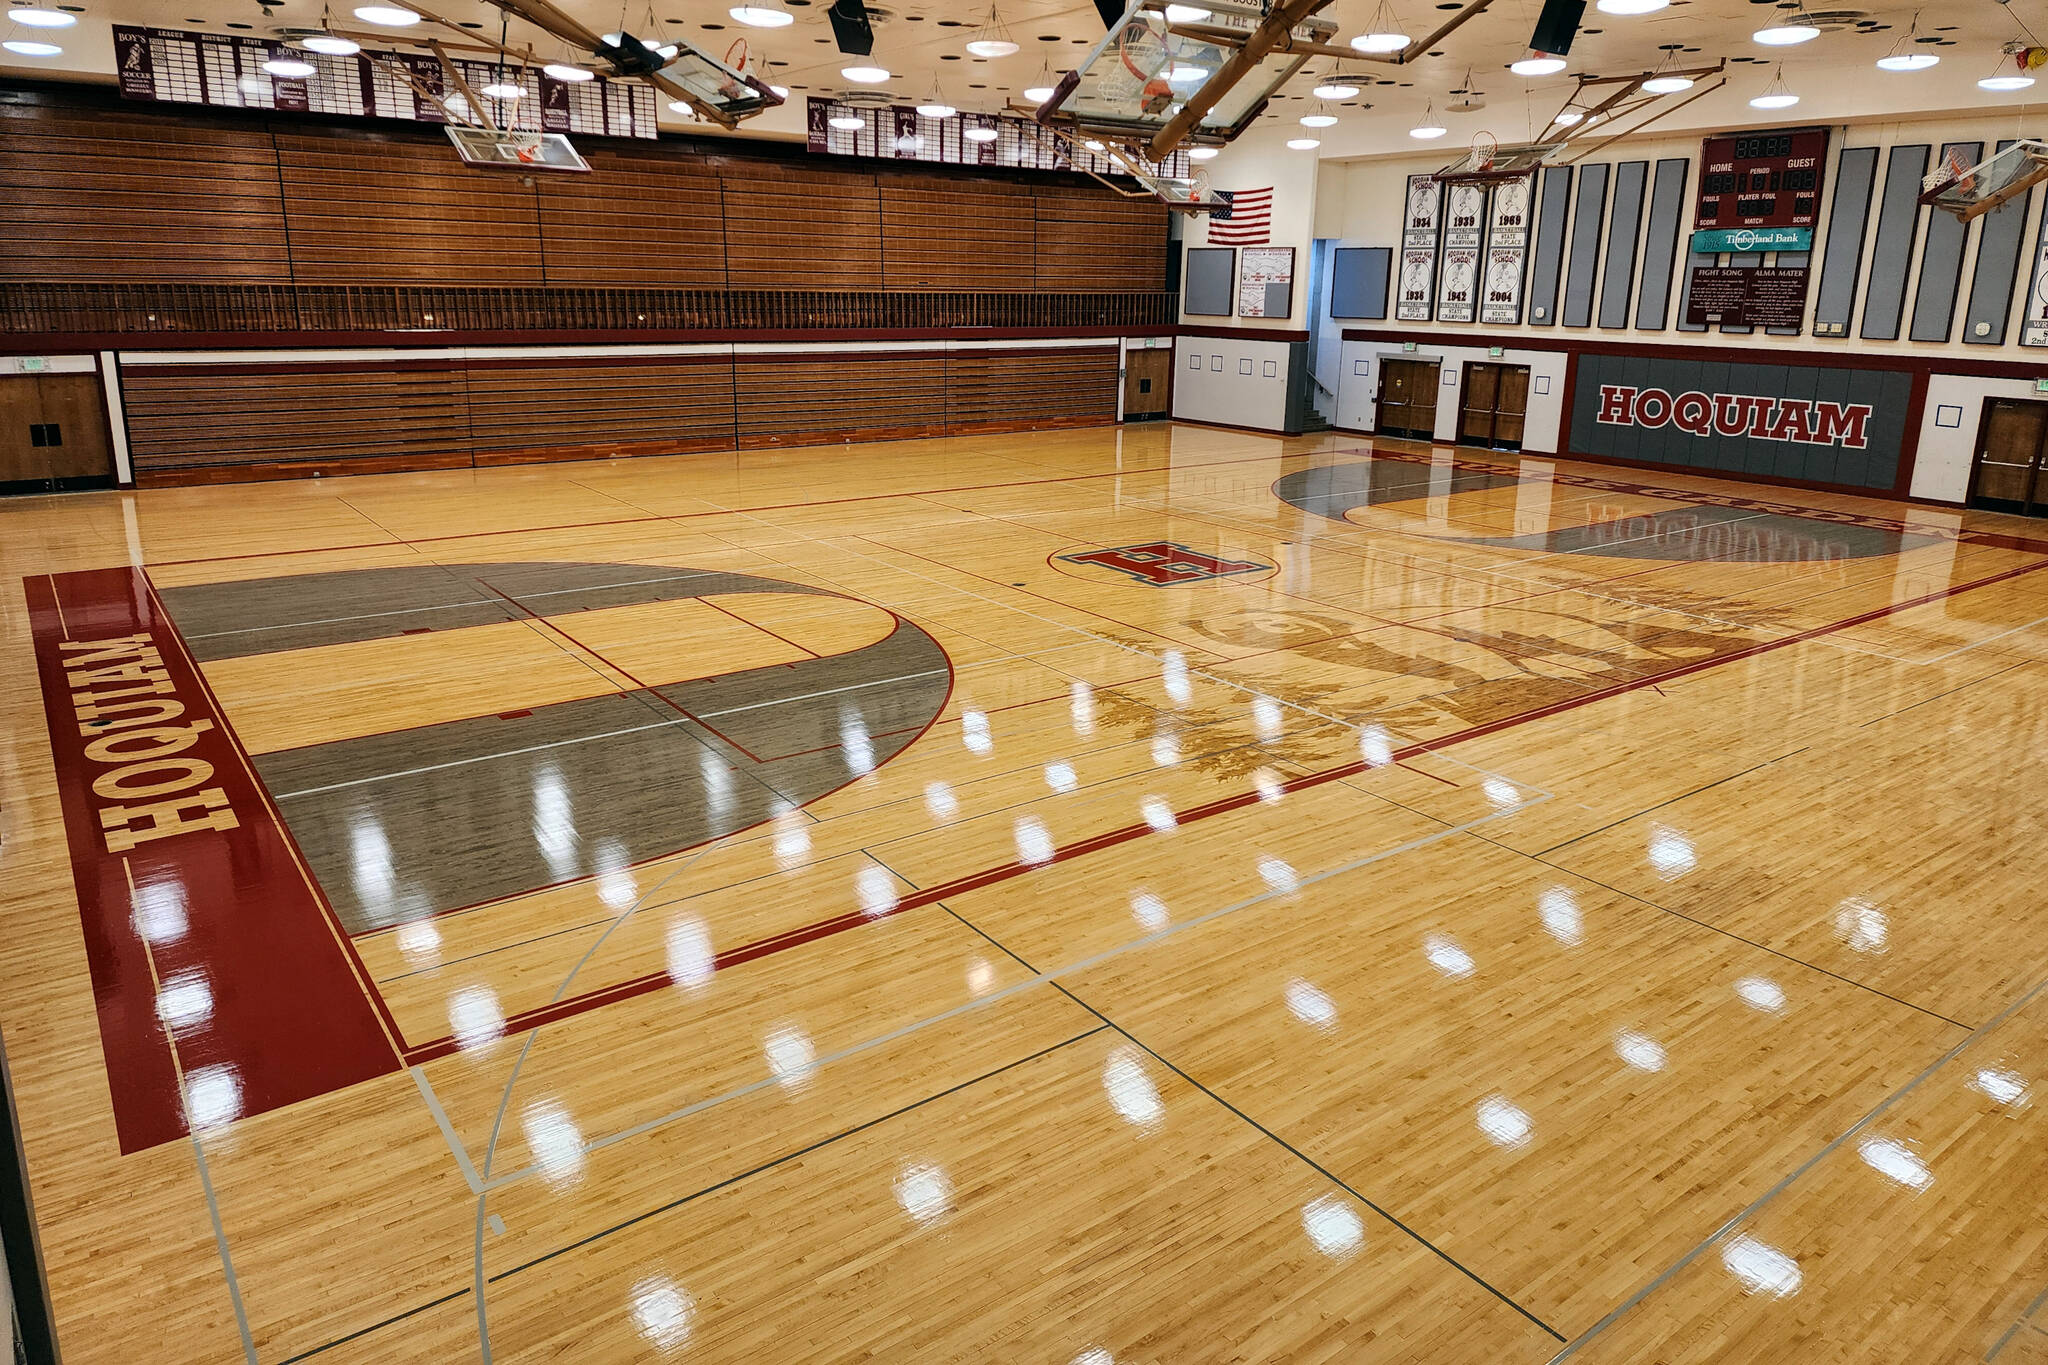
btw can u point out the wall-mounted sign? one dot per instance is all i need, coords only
(1747, 295)
(1815, 423)
(225, 71)
(1762, 179)
(1419, 230)
(1457, 298)
(2034, 325)
(1507, 249)
(1712, 241)
(1265, 282)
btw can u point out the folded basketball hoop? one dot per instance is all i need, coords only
(1488, 161)
(515, 150)
(1966, 191)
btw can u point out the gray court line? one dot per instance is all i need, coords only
(835, 691)
(220, 1243)
(2018, 1323)
(1042, 978)
(1774, 1191)
(455, 1147)
(480, 758)
(337, 620)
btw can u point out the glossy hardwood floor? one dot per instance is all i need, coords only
(1106, 897)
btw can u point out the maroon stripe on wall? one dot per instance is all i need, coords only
(199, 925)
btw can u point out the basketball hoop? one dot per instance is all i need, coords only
(737, 55)
(1484, 147)
(527, 146)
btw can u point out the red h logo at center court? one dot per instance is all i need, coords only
(1163, 564)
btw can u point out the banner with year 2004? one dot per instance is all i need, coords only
(2034, 322)
(1507, 250)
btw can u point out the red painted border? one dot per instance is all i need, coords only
(285, 1016)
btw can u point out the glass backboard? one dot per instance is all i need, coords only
(1142, 73)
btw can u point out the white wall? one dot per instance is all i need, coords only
(1232, 380)
(1541, 428)
(1256, 160)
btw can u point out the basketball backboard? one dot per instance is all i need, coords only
(1488, 161)
(515, 151)
(1967, 190)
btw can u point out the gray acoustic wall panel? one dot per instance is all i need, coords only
(1834, 304)
(1584, 269)
(1998, 260)
(1624, 228)
(1550, 219)
(1898, 222)
(1941, 260)
(1660, 245)
(1212, 281)
(1358, 281)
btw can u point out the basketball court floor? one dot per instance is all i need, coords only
(1100, 897)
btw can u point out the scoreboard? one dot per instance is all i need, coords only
(1762, 179)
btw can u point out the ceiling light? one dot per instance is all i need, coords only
(330, 45)
(390, 16)
(936, 109)
(1538, 65)
(1186, 14)
(1317, 120)
(780, 90)
(846, 121)
(1667, 85)
(993, 38)
(36, 17)
(980, 134)
(291, 69)
(1998, 83)
(865, 75)
(1907, 61)
(1303, 144)
(1794, 28)
(505, 90)
(1567, 117)
(683, 109)
(1202, 153)
(1775, 95)
(1336, 88)
(1038, 94)
(762, 16)
(1092, 145)
(1627, 7)
(1428, 127)
(562, 71)
(1384, 33)
(1186, 73)
(25, 48)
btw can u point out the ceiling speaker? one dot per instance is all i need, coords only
(1557, 26)
(851, 30)
(1111, 12)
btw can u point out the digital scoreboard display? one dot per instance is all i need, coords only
(1762, 179)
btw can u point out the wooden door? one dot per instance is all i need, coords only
(1510, 406)
(1407, 399)
(1476, 399)
(1146, 374)
(53, 434)
(2010, 443)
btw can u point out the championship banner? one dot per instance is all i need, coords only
(1419, 233)
(1463, 233)
(1507, 252)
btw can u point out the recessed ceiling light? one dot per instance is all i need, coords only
(762, 16)
(980, 134)
(1907, 61)
(330, 45)
(1303, 144)
(1038, 94)
(1667, 85)
(1630, 6)
(37, 17)
(1202, 153)
(562, 71)
(1334, 90)
(505, 90)
(25, 48)
(390, 16)
(1788, 33)
(290, 69)
(865, 75)
(1537, 66)
(847, 121)
(1317, 120)
(1998, 83)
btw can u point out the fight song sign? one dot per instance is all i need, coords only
(1789, 421)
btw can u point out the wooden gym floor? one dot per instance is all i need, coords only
(1139, 896)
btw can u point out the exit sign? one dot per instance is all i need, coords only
(31, 364)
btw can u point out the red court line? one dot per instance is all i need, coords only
(839, 924)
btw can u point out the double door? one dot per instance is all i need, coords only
(1407, 399)
(1492, 405)
(2012, 440)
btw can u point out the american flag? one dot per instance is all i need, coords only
(1246, 218)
